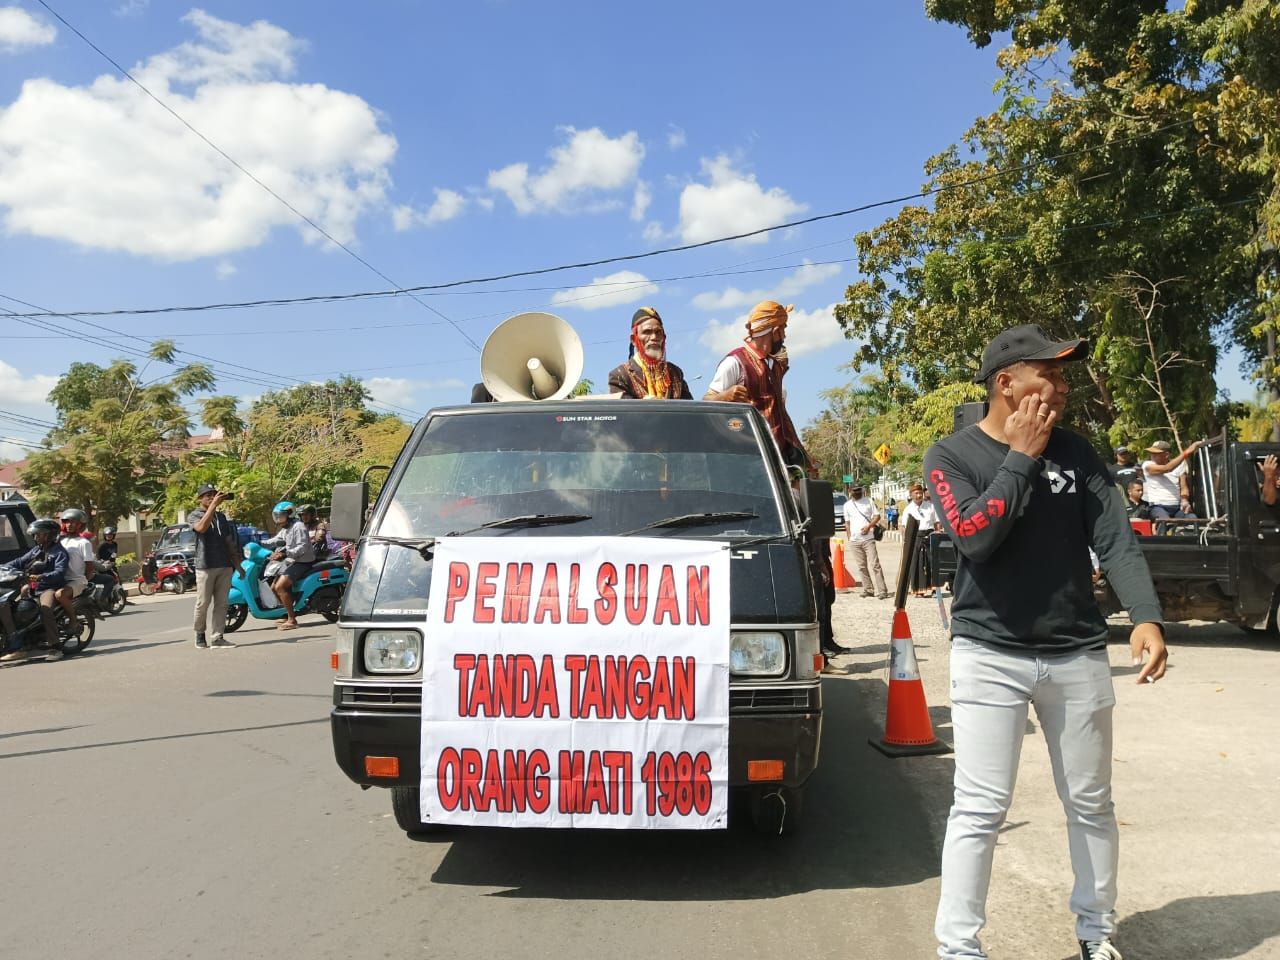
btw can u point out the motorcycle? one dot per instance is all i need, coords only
(108, 577)
(171, 572)
(28, 626)
(320, 591)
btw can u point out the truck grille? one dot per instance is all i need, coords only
(388, 697)
(770, 698)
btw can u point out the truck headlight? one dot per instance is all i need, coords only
(758, 654)
(392, 651)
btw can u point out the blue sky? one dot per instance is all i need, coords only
(446, 141)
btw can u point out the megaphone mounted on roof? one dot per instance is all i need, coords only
(532, 356)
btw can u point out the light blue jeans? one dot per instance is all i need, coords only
(990, 692)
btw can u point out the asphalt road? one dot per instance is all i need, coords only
(162, 801)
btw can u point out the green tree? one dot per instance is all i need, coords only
(1134, 148)
(118, 434)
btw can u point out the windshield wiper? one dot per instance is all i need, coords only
(423, 545)
(693, 520)
(525, 520)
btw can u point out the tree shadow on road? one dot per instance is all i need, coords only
(865, 825)
(1202, 928)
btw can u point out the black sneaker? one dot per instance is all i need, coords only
(221, 642)
(1102, 949)
(200, 641)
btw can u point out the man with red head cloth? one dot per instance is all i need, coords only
(753, 374)
(647, 375)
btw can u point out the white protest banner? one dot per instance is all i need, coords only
(577, 682)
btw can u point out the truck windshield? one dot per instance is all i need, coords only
(619, 471)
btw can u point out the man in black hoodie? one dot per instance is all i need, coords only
(1023, 502)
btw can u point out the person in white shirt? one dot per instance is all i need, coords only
(926, 522)
(860, 520)
(1164, 481)
(80, 560)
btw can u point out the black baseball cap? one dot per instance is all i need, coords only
(206, 488)
(1027, 342)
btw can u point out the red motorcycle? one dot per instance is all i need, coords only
(172, 572)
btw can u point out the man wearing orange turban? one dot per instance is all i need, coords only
(753, 374)
(647, 375)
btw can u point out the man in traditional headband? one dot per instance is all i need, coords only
(647, 375)
(753, 374)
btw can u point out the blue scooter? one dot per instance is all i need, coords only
(320, 590)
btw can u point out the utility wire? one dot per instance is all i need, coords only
(542, 271)
(235, 163)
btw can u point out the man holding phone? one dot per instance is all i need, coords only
(217, 547)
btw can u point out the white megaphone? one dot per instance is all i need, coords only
(532, 356)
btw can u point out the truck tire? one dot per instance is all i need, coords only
(776, 811)
(405, 804)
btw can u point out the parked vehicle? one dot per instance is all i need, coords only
(167, 573)
(320, 591)
(692, 469)
(15, 516)
(28, 626)
(838, 501)
(1222, 565)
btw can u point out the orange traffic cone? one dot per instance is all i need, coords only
(908, 731)
(843, 579)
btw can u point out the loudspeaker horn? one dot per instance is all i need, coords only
(532, 356)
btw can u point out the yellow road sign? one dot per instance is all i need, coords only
(882, 454)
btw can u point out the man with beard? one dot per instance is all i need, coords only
(648, 375)
(753, 374)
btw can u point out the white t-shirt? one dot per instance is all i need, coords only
(1162, 488)
(857, 514)
(730, 373)
(80, 551)
(926, 516)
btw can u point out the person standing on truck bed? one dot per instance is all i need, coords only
(1023, 502)
(1165, 484)
(1135, 507)
(753, 374)
(1125, 468)
(647, 374)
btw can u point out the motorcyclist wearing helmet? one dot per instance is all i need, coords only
(80, 553)
(108, 549)
(51, 581)
(294, 544)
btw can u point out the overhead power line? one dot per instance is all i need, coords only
(235, 163)
(453, 285)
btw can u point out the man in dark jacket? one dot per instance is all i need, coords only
(1023, 503)
(217, 552)
(50, 583)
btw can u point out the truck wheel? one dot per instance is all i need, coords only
(776, 811)
(406, 805)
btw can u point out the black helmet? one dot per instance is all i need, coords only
(73, 514)
(108, 531)
(45, 524)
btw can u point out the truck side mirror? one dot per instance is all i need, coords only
(347, 510)
(817, 506)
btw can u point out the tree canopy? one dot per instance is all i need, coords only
(1126, 190)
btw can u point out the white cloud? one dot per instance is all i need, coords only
(447, 205)
(24, 396)
(225, 269)
(19, 30)
(731, 202)
(653, 232)
(788, 288)
(675, 137)
(625, 286)
(171, 196)
(132, 8)
(640, 201)
(403, 391)
(808, 331)
(588, 164)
